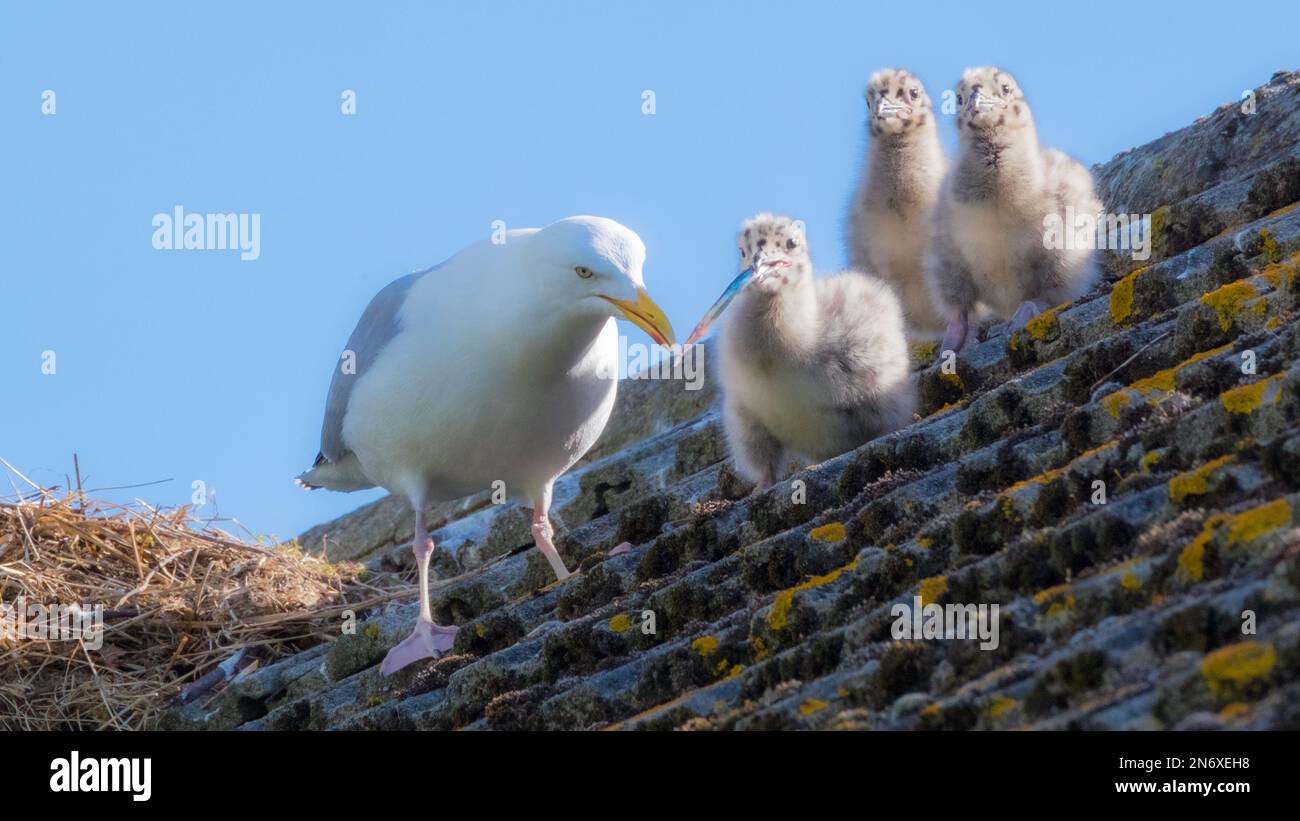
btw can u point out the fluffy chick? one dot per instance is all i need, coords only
(813, 367)
(988, 244)
(888, 226)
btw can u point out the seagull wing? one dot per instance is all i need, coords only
(378, 325)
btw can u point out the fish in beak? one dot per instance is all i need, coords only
(754, 273)
(646, 315)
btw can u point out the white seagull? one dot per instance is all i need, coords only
(500, 364)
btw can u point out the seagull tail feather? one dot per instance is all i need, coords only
(344, 475)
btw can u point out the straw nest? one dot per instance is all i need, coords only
(186, 608)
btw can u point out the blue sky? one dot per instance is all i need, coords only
(195, 365)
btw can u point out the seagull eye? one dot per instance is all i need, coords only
(915, 94)
(583, 271)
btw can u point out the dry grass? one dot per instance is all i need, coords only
(178, 598)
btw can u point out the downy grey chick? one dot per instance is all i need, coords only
(988, 237)
(814, 367)
(888, 227)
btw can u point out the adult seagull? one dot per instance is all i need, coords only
(498, 365)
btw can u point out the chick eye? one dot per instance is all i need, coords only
(915, 94)
(1006, 89)
(960, 101)
(791, 244)
(583, 271)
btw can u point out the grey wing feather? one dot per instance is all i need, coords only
(378, 325)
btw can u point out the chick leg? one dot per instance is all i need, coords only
(953, 288)
(757, 453)
(954, 338)
(429, 639)
(543, 534)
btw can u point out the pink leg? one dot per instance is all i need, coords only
(958, 327)
(621, 549)
(1028, 310)
(542, 534)
(428, 640)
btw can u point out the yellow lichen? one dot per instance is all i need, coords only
(1271, 251)
(1242, 527)
(932, 589)
(1150, 459)
(1048, 476)
(1235, 671)
(1061, 608)
(1279, 273)
(931, 710)
(1130, 581)
(1227, 300)
(1116, 402)
(1043, 328)
(1164, 380)
(705, 645)
(1000, 705)
(1195, 482)
(1046, 325)
(1251, 524)
(760, 649)
(1049, 593)
(1245, 399)
(780, 612)
(1159, 220)
(924, 543)
(1191, 561)
(947, 406)
(1236, 709)
(1151, 387)
(830, 532)
(372, 631)
(620, 623)
(480, 630)
(924, 352)
(1121, 297)
(812, 705)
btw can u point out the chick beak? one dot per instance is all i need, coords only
(646, 315)
(979, 103)
(888, 109)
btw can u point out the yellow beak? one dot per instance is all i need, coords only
(646, 315)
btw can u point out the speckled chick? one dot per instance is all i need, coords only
(888, 225)
(809, 367)
(988, 243)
